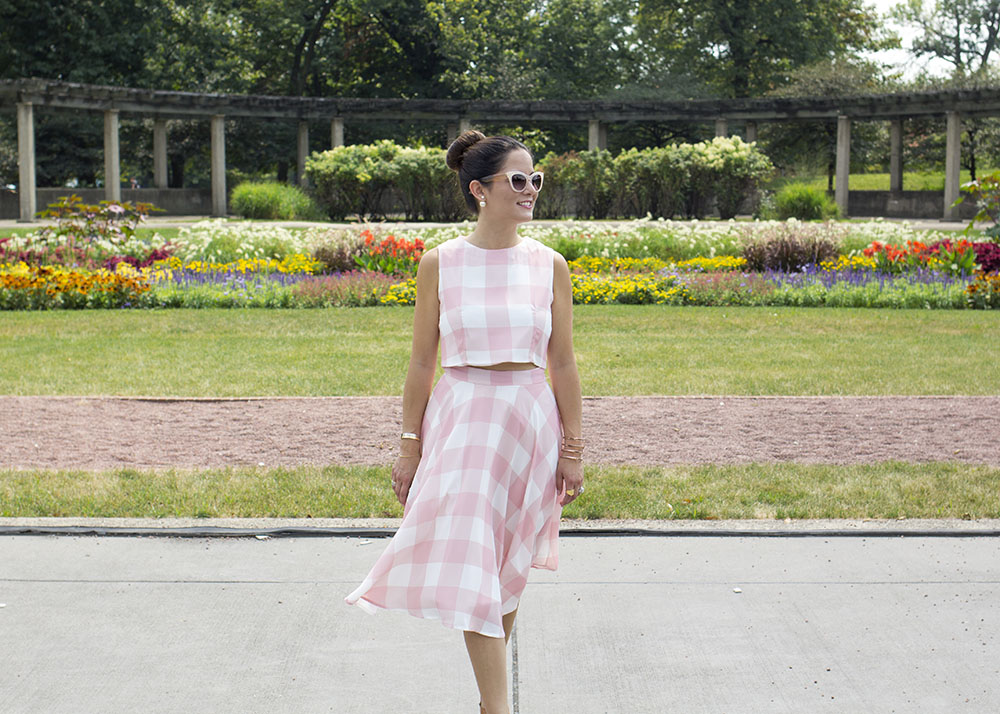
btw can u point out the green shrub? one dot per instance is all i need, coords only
(425, 186)
(664, 177)
(797, 200)
(592, 178)
(661, 182)
(555, 200)
(370, 180)
(273, 201)
(354, 180)
(985, 194)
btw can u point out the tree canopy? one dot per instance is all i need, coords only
(432, 48)
(963, 33)
(525, 49)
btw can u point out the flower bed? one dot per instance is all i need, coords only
(224, 264)
(44, 287)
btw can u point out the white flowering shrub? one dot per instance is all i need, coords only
(683, 240)
(731, 170)
(222, 241)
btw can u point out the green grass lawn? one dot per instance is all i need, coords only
(621, 350)
(912, 180)
(754, 491)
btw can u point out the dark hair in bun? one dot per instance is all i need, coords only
(475, 156)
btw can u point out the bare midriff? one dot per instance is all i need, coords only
(510, 366)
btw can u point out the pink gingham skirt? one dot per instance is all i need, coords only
(483, 508)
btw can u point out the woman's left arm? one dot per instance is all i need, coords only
(565, 378)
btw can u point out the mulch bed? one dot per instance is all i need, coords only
(110, 432)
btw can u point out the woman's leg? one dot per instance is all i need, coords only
(489, 663)
(508, 624)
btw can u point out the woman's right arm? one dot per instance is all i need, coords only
(420, 373)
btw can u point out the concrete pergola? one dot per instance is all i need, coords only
(458, 115)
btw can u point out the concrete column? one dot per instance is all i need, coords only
(751, 132)
(896, 155)
(337, 132)
(721, 127)
(952, 165)
(219, 165)
(597, 135)
(464, 125)
(843, 162)
(303, 152)
(112, 162)
(160, 153)
(27, 194)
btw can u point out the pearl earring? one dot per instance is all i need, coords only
(482, 203)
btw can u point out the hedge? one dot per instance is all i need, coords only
(371, 180)
(686, 179)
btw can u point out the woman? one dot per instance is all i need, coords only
(489, 457)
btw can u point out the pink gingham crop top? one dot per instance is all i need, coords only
(496, 305)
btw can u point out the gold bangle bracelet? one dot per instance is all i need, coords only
(570, 458)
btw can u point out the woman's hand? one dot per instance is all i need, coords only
(569, 477)
(402, 476)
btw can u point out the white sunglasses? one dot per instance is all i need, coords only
(519, 180)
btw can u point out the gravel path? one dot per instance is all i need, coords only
(107, 432)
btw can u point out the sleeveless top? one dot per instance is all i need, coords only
(496, 305)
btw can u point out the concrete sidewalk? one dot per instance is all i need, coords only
(690, 623)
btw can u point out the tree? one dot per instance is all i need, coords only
(745, 48)
(924, 139)
(488, 47)
(961, 32)
(585, 48)
(787, 143)
(92, 41)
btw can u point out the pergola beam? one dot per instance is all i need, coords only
(155, 103)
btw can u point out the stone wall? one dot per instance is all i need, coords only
(902, 204)
(198, 202)
(173, 201)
